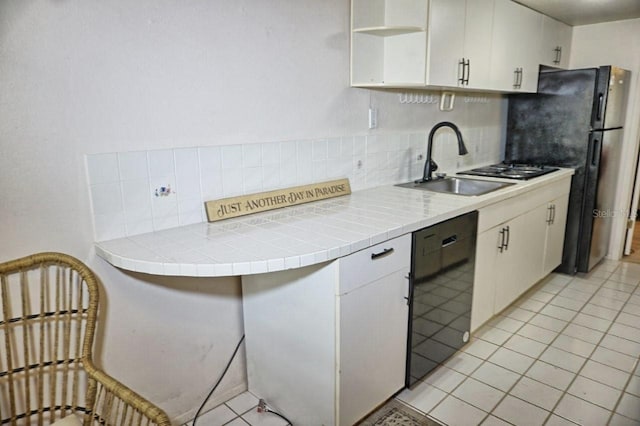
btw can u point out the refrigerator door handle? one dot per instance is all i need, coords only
(600, 106)
(595, 152)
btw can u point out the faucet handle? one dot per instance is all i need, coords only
(434, 166)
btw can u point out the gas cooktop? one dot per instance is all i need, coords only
(511, 171)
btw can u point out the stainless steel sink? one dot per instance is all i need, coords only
(451, 185)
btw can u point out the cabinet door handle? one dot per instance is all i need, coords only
(553, 214)
(383, 253)
(559, 55)
(506, 247)
(461, 69)
(549, 215)
(467, 66)
(409, 297)
(501, 246)
(520, 78)
(517, 76)
(558, 51)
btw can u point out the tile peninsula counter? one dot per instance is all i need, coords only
(299, 236)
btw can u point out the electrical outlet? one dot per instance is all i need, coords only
(373, 118)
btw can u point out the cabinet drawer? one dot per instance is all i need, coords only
(375, 262)
(502, 211)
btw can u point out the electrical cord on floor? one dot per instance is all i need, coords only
(281, 416)
(219, 380)
(262, 408)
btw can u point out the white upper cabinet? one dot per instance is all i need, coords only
(515, 47)
(556, 42)
(494, 45)
(459, 43)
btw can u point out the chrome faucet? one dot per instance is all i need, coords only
(430, 166)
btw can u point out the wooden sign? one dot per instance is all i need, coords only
(254, 203)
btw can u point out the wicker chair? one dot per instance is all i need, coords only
(48, 308)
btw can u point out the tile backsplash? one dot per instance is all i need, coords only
(143, 191)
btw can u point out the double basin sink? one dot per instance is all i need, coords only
(457, 186)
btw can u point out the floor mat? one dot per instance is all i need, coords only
(395, 413)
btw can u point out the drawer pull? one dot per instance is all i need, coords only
(383, 253)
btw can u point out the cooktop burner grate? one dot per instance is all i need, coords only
(511, 171)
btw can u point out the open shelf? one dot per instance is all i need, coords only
(388, 43)
(388, 31)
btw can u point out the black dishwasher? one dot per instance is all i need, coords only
(442, 268)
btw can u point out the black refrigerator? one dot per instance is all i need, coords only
(575, 120)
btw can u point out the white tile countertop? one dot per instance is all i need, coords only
(299, 236)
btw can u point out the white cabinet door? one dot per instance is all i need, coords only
(527, 240)
(373, 345)
(515, 47)
(459, 43)
(484, 285)
(556, 43)
(556, 223)
(446, 42)
(477, 43)
(519, 265)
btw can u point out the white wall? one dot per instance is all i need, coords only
(87, 77)
(616, 43)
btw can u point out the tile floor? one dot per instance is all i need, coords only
(565, 353)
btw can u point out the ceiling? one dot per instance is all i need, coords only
(583, 12)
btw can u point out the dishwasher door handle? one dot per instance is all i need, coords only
(449, 241)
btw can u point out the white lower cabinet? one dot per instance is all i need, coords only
(518, 245)
(326, 344)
